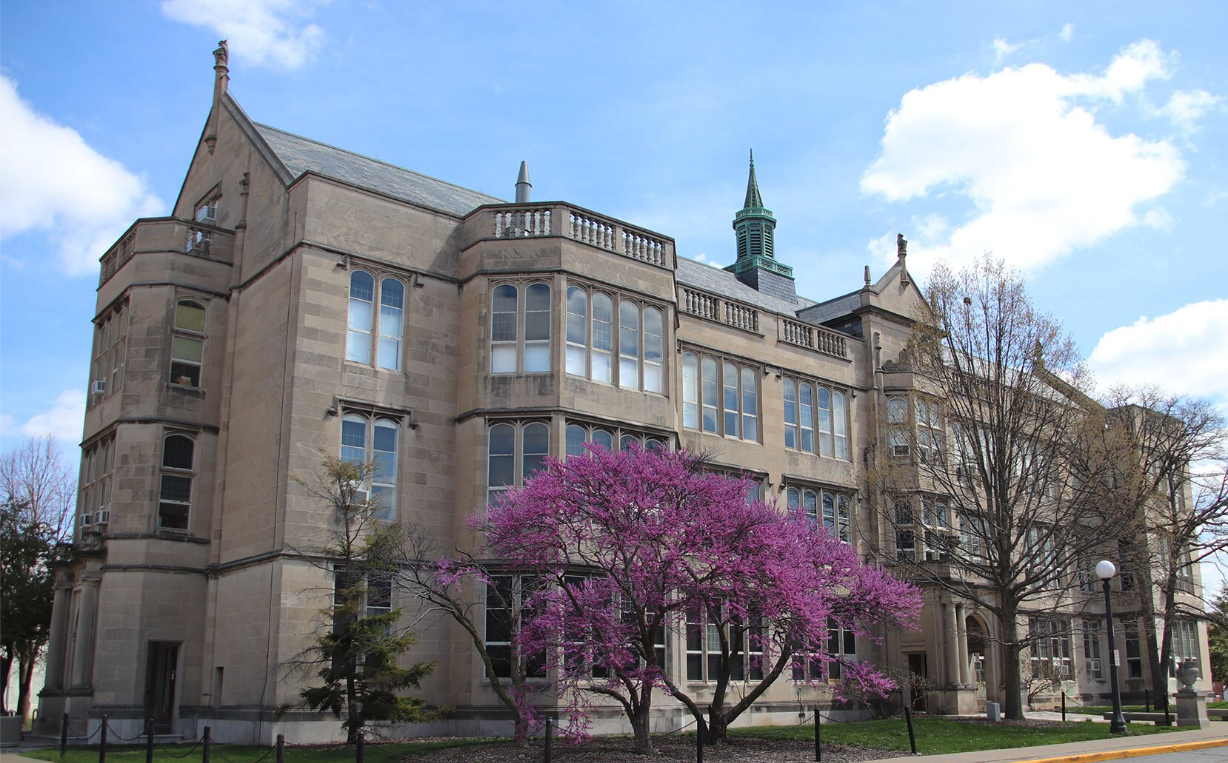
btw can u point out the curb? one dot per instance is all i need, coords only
(1136, 752)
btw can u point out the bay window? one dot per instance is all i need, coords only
(811, 407)
(592, 341)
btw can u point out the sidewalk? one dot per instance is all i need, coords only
(1086, 752)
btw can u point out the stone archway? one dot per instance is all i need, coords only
(978, 658)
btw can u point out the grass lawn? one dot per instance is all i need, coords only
(937, 735)
(1102, 709)
(374, 753)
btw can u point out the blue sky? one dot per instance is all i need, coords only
(1085, 142)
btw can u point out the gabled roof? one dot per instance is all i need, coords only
(300, 155)
(725, 284)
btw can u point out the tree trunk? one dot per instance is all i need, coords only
(718, 728)
(6, 665)
(351, 705)
(26, 677)
(1012, 681)
(642, 729)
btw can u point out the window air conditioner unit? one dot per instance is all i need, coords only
(87, 520)
(98, 386)
(206, 214)
(102, 517)
(361, 496)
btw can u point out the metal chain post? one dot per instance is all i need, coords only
(818, 735)
(1063, 707)
(549, 738)
(912, 737)
(149, 734)
(699, 743)
(361, 747)
(102, 743)
(64, 735)
(207, 742)
(281, 748)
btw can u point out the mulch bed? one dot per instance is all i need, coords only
(605, 750)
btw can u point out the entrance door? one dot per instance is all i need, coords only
(160, 683)
(916, 667)
(976, 653)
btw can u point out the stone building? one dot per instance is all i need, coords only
(301, 299)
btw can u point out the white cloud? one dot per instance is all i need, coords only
(1186, 107)
(63, 419)
(260, 31)
(1002, 48)
(1042, 175)
(1158, 218)
(1185, 351)
(1067, 33)
(52, 180)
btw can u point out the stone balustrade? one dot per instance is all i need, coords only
(814, 338)
(724, 311)
(543, 220)
(166, 234)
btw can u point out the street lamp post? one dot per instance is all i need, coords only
(1105, 570)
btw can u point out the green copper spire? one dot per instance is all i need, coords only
(755, 229)
(753, 199)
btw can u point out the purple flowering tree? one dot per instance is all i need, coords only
(638, 543)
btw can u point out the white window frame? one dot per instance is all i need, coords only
(178, 474)
(530, 448)
(380, 485)
(635, 357)
(183, 336)
(811, 426)
(710, 402)
(375, 327)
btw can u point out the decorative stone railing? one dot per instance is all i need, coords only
(539, 221)
(714, 308)
(814, 338)
(166, 235)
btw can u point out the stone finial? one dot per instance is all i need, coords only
(221, 56)
(523, 186)
(901, 246)
(867, 275)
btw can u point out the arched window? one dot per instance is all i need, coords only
(603, 439)
(361, 317)
(364, 441)
(512, 445)
(720, 396)
(576, 437)
(175, 491)
(690, 391)
(790, 393)
(750, 405)
(654, 350)
(731, 399)
(371, 337)
(188, 343)
(535, 447)
(840, 417)
(629, 441)
(391, 323)
(537, 328)
(825, 445)
(501, 460)
(603, 337)
(709, 388)
(577, 331)
(503, 334)
(629, 345)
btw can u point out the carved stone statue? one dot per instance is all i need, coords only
(221, 56)
(901, 245)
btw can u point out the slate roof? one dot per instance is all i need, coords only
(725, 284)
(833, 308)
(301, 155)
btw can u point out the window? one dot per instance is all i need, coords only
(110, 342)
(809, 406)
(506, 597)
(579, 435)
(591, 340)
(1185, 642)
(897, 426)
(841, 647)
(374, 441)
(972, 537)
(1092, 664)
(206, 209)
(721, 397)
(905, 545)
(1051, 655)
(388, 331)
(514, 453)
(1134, 657)
(930, 438)
(836, 509)
(97, 466)
(175, 491)
(508, 312)
(704, 658)
(188, 343)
